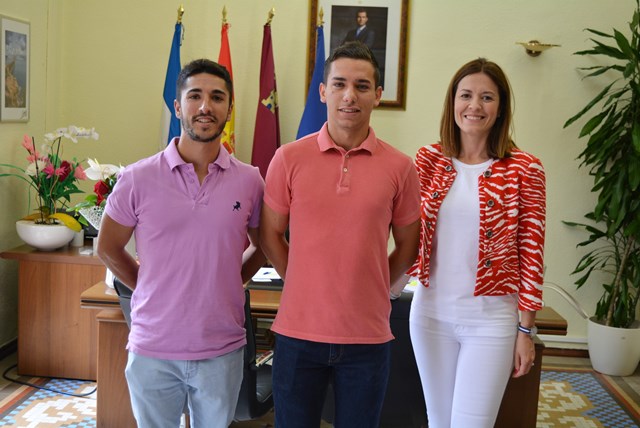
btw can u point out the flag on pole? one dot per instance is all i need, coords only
(171, 124)
(266, 137)
(224, 59)
(315, 111)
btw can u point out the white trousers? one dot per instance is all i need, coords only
(464, 370)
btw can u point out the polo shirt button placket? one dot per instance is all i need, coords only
(344, 177)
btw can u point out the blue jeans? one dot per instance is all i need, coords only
(301, 373)
(159, 390)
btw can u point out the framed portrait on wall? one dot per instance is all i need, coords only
(14, 70)
(380, 24)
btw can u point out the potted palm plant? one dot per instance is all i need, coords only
(612, 156)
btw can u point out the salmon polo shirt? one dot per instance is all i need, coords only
(189, 299)
(341, 205)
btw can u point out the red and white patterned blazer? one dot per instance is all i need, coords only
(512, 223)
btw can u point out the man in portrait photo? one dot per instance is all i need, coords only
(362, 32)
(370, 28)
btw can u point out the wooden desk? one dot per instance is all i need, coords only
(55, 337)
(550, 322)
(99, 296)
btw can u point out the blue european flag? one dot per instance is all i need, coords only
(315, 111)
(169, 93)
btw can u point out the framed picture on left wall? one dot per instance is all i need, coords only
(14, 70)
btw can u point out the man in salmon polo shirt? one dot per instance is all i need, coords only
(191, 207)
(340, 192)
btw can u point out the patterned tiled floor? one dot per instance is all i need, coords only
(575, 398)
(52, 409)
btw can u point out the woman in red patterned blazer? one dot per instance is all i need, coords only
(481, 254)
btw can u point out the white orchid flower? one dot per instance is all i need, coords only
(98, 171)
(72, 133)
(52, 136)
(79, 132)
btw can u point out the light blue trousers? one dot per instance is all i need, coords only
(159, 390)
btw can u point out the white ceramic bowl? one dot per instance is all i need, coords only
(46, 237)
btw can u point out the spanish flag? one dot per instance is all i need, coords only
(224, 58)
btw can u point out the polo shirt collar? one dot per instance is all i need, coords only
(174, 159)
(325, 142)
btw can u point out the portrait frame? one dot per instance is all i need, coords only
(388, 19)
(15, 40)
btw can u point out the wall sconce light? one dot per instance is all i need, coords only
(534, 47)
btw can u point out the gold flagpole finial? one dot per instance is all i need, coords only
(272, 13)
(224, 15)
(180, 13)
(321, 14)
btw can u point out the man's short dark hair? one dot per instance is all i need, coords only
(353, 50)
(362, 10)
(203, 65)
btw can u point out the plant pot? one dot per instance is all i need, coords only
(45, 237)
(614, 351)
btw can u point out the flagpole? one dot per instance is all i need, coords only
(272, 13)
(180, 13)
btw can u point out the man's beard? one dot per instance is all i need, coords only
(195, 137)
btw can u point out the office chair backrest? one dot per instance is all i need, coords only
(256, 397)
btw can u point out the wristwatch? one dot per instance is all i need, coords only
(531, 332)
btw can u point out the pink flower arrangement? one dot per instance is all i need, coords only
(53, 178)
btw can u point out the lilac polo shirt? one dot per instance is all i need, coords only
(188, 303)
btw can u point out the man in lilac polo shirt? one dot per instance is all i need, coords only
(340, 191)
(191, 208)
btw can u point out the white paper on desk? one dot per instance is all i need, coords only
(265, 274)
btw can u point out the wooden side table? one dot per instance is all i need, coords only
(55, 337)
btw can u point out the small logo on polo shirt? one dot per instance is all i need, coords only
(236, 207)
